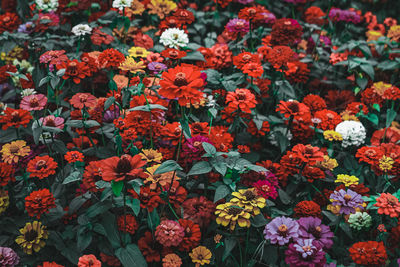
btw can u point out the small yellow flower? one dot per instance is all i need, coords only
(4, 200)
(131, 65)
(229, 214)
(32, 237)
(332, 135)
(328, 163)
(138, 52)
(347, 179)
(163, 179)
(373, 35)
(200, 255)
(386, 163)
(348, 116)
(334, 209)
(248, 199)
(381, 87)
(151, 155)
(394, 33)
(136, 8)
(14, 151)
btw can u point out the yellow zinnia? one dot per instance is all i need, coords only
(327, 163)
(332, 135)
(131, 65)
(151, 155)
(200, 255)
(248, 199)
(386, 163)
(229, 214)
(163, 179)
(4, 200)
(32, 237)
(347, 179)
(12, 152)
(138, 52)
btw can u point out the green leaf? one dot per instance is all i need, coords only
(362, 82)
(73, 177)
(153, 220)
(84, 238)
(390, 116)
(195, 55)
(148, 108)
(109, 102)
(373, 118)
(185, 127)
(230, 244)
(108, 222)
(200, 167)
(220, 167)
(134, 204)
(117, 187)
(131, 256)
(368, 69)
(377, 107)
(209, 148)
(221, 192)
(284, 197)
(168, 166)
(258, 221)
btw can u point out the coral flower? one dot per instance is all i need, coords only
(200, 255)
(75, 70)
(388, 204)
(14, 151)
(42, 167)
(254, 70)
(32, 238)
(89, 261)
(241, 99)
(39, 202)
(33, 102)
(81, 100)
(122, 168)
(183, 82)
(169, 233)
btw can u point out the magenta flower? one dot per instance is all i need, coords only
(281, 229)
(305, 252)
(347, 200)
(8, 257)
(238, 25)
(266, 189)
(312, 228)
(33, 102)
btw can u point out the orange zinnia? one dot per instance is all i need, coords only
(182, 82)
(15, 118)
(241, 99)
(122, 168)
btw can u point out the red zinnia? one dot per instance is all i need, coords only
(74, 69)
(15, 118)
(127, 224)
(243, 58)
(9, 22)
(39, 202)
(73, 156)
(122, 168)
(328, 119)
(369, 253)
(192, 235)
(173, 53)
(111, 58)
(81, 100)
(286, 31)
(241, 99)
(254, 70)
(42, 167)
(6, 173)
(307, 208)
(92, 174)
(183, 82)
(148, 199)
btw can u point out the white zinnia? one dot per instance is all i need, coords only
(81, 29)
(28, 91)
(353, 133)
(47, 5)
(174, 38)
(120, 4)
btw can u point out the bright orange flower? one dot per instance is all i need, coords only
(39, 202)
(15, 118)
(73, 156)
(122, 168)
(241, 99)
(74, 69)
(182, 82)
(254, 70)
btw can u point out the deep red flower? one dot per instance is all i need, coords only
(327, 119)
(15, 118)
(173, 53)
(9, 22)
(148, 199)
(39, 202)
(127, 224)
(6, 173)
(200, 210)
(110, 260)
(307, 208)
(286, 32)
(42, 167)
(122, 168)
(314, 102)
(369, 253)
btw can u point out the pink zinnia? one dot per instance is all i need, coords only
(53, 57)
(265, 189)
(33, 102)
(169, 233)
(81, 100)
(52, 121)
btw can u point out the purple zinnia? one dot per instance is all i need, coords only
(238, 25)
(281, 229)
(311, 228)
(156, 67)
(337, 14)
(245, 2)
(26, 27)
(305, 252)
(8, 257)
(347, 200)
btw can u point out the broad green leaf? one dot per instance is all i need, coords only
(131, 256)
(168, 166)
(200, 167)
(221, 192)
(117, 187)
